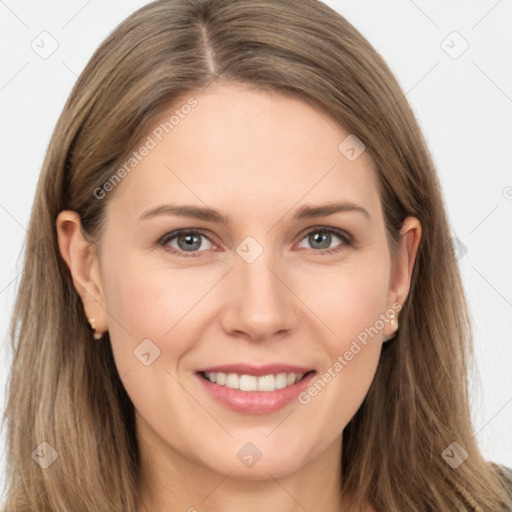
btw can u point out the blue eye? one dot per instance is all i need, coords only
(325, 238)
(187, 242)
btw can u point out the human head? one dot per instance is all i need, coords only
(279, 302)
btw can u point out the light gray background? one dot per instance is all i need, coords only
(463, 104)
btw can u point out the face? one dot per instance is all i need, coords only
(269, 289)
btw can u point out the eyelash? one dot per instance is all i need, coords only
(164, 240)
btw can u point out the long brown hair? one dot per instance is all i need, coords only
(64, 390)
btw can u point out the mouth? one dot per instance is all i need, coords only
(249, 393)
(251, 383)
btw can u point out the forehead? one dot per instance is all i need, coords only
(245, 149)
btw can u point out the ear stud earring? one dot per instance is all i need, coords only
(393, 322)
(96, 335)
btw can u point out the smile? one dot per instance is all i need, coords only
(246, 382)
(255, 394)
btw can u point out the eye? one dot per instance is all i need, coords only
(321, 238)
(185, 241)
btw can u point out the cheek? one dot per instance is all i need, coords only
(358, 309)
(353, 311)
(150, 333)
(150, 305)
(348, 299)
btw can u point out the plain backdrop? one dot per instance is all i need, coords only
(454, 63)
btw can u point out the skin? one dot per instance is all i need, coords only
(256, 157)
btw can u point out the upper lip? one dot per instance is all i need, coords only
(258, 371)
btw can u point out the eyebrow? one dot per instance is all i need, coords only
(211, 215)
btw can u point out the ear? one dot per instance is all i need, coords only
(402, 268)
(83, 264)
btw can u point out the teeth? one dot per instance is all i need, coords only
(253, 383)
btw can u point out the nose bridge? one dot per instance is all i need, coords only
(260, 304)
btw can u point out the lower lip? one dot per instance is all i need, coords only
(255, 402)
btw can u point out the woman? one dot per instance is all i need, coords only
(260, 373)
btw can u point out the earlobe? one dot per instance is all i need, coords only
(83, 265)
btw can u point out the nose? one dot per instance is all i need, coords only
(260, 303)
